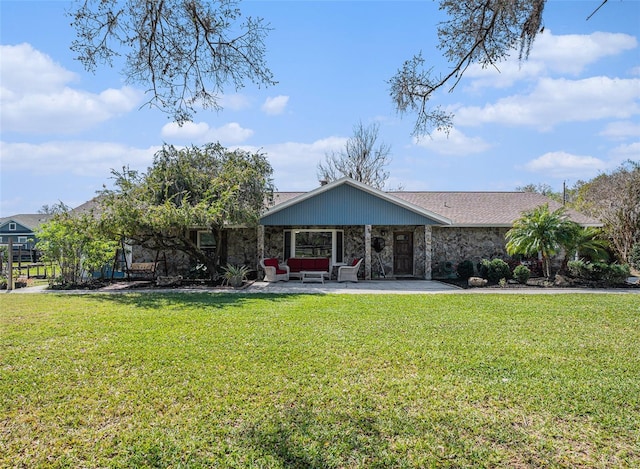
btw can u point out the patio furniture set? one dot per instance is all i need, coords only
(308, 269)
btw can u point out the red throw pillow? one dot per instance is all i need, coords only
(355, 262)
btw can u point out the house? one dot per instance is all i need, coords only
(21, 230)
(399, 234)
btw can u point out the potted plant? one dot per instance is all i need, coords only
(235, 275)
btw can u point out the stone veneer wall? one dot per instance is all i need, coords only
(453, 245)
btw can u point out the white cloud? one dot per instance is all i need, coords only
(197, 133)
(621, 130)
(276, 105)
(565, 165)
(622, 153)
(295, 164)
(557, 101)
(455, 143)
(75, 158)
(235, 102)
(551, 54)
(35, 98)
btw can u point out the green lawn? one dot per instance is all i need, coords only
(202, 380)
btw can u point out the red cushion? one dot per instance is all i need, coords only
(271, 263)
(355, 262)
(280, 271)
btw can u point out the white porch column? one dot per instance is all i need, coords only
(260, 247)
(427, 251)
(367, 252)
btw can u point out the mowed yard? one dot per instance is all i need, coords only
(312, 381)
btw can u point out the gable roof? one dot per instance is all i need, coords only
(30, 221)
(344, 202)
(462, 209)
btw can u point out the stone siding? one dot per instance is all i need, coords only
(451, 245)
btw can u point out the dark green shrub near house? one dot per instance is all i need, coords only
(634, 256)
(522, 273)
(494, 270)
(610, 274)
(465, 269)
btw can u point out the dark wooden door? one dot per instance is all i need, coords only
(403, 253)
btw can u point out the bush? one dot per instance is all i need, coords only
(634, 256)
(465, 269)
(522, 273)
(494, 270)
(610, 274)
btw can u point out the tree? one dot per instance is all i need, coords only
(480, 32)
(540, 231)
(184, 51)
(75, 242)
(361, 159)
(614, 198)
(205, 188)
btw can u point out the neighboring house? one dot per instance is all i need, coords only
(21, 229)
(398, 234)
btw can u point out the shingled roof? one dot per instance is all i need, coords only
(499, 209)
(28, 220)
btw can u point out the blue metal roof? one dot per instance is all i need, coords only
(347, 203)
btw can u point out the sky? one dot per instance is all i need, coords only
(568, 113)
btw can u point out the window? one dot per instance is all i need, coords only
(314, 243)
(206, 240)
(22, 239)
(12, 227)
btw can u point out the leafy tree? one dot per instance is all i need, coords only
(184, 51)
(207, 188)
(75, 242)
(540, 231)
(361, 159)
(614, 198)
(483, 32)
(584, 241)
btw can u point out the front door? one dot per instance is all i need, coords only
(403, 253)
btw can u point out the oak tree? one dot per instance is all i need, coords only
(207, 188)
(185, 52)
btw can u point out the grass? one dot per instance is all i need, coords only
(202, 380)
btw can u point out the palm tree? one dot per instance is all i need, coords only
(540, 231)
(587, 241)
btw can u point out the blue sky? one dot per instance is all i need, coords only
(570, 112)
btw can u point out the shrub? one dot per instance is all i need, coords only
(634, 256)
(522, 273)
(465, 269)
(610, 274)
(494, 270)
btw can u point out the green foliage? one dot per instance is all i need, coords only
(522, 273)
(465, 269)
(494, 270)
(540, 231)
(76, 243)
(634, 257)
(235, 274)
(610, 274)
(208, 187)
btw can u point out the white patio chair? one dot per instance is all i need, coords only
(349, 273)
(273, 271)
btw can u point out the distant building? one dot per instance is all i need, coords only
(21, 230)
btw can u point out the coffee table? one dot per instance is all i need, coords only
(312, 275)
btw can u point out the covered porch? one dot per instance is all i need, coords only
(347, 220)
